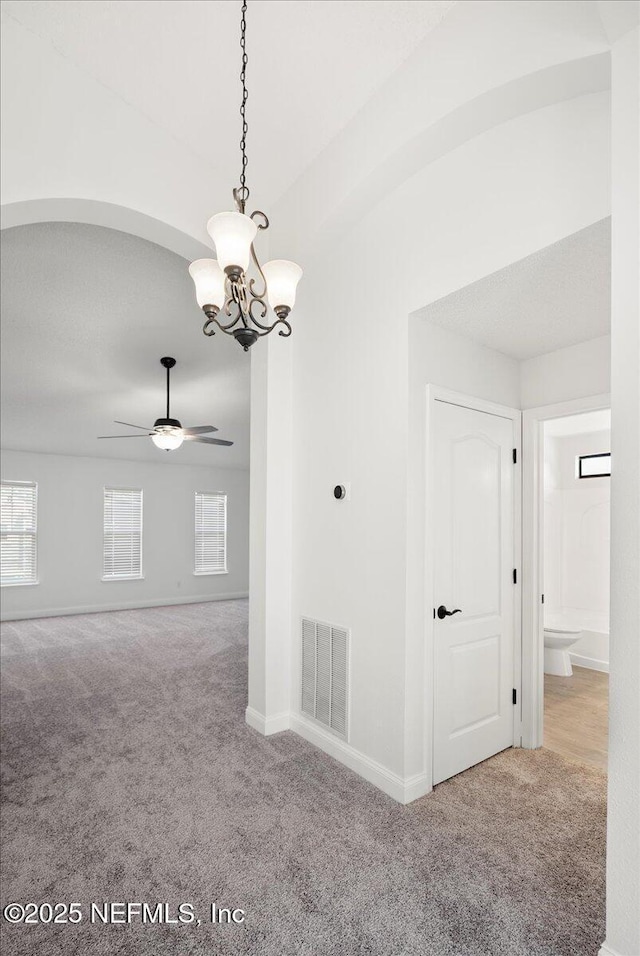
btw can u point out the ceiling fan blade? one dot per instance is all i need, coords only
(199, 429)
(209, 441)
(148, 435)
(143, 427)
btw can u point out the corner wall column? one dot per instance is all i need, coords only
(623, 820)
(270, 536)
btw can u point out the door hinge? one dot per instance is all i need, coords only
(515, 576)
(542, 601)
(514, 696)
(515, 455)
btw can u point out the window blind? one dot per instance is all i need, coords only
(211, 533)
(18, 555)
(122, 553)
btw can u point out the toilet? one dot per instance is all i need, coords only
(557, 641)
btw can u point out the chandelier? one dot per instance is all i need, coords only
(231, 299)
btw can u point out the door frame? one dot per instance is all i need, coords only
(533, 420)
(436, 393)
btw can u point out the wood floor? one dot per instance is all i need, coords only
(576, 716)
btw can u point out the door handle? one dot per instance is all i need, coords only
(442, 612)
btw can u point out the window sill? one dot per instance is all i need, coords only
(204, 574)
(19, 584)
(129, 577)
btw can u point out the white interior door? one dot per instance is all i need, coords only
(473, 509)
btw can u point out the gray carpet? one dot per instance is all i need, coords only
(130, 775)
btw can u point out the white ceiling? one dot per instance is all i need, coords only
(582, 424)
(312, 65)
(87, 313)
(554, 298)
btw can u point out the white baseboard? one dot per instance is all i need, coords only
(607, 951)
(122, 606)
(416, 787)
(267, 725)
(590, 662)
(402, 790)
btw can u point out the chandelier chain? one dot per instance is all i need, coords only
(244, 192)
(232, 300)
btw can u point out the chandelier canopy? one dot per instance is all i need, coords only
(232, 300)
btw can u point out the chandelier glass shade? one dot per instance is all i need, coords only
(282, 279)
(234, 301)
(233, 234)
(209, 280)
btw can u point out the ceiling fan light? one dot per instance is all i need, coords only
(282, 279)
(168, 441)
(232, 234)
(209, 282)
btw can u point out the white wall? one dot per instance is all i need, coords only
(492, 201)
(450, 173)
(578, 371)
(426, 191)
(70, 516)
(577, 544)
(623, 822)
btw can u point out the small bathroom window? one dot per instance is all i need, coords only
(594, 466)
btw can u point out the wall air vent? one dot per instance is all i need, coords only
(325, 675)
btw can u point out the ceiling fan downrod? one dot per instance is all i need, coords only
(168, 363)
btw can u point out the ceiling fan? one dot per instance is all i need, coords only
(167, 433)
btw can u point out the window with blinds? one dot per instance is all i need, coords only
(211, 533)
(122, 552)
(18, 554)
